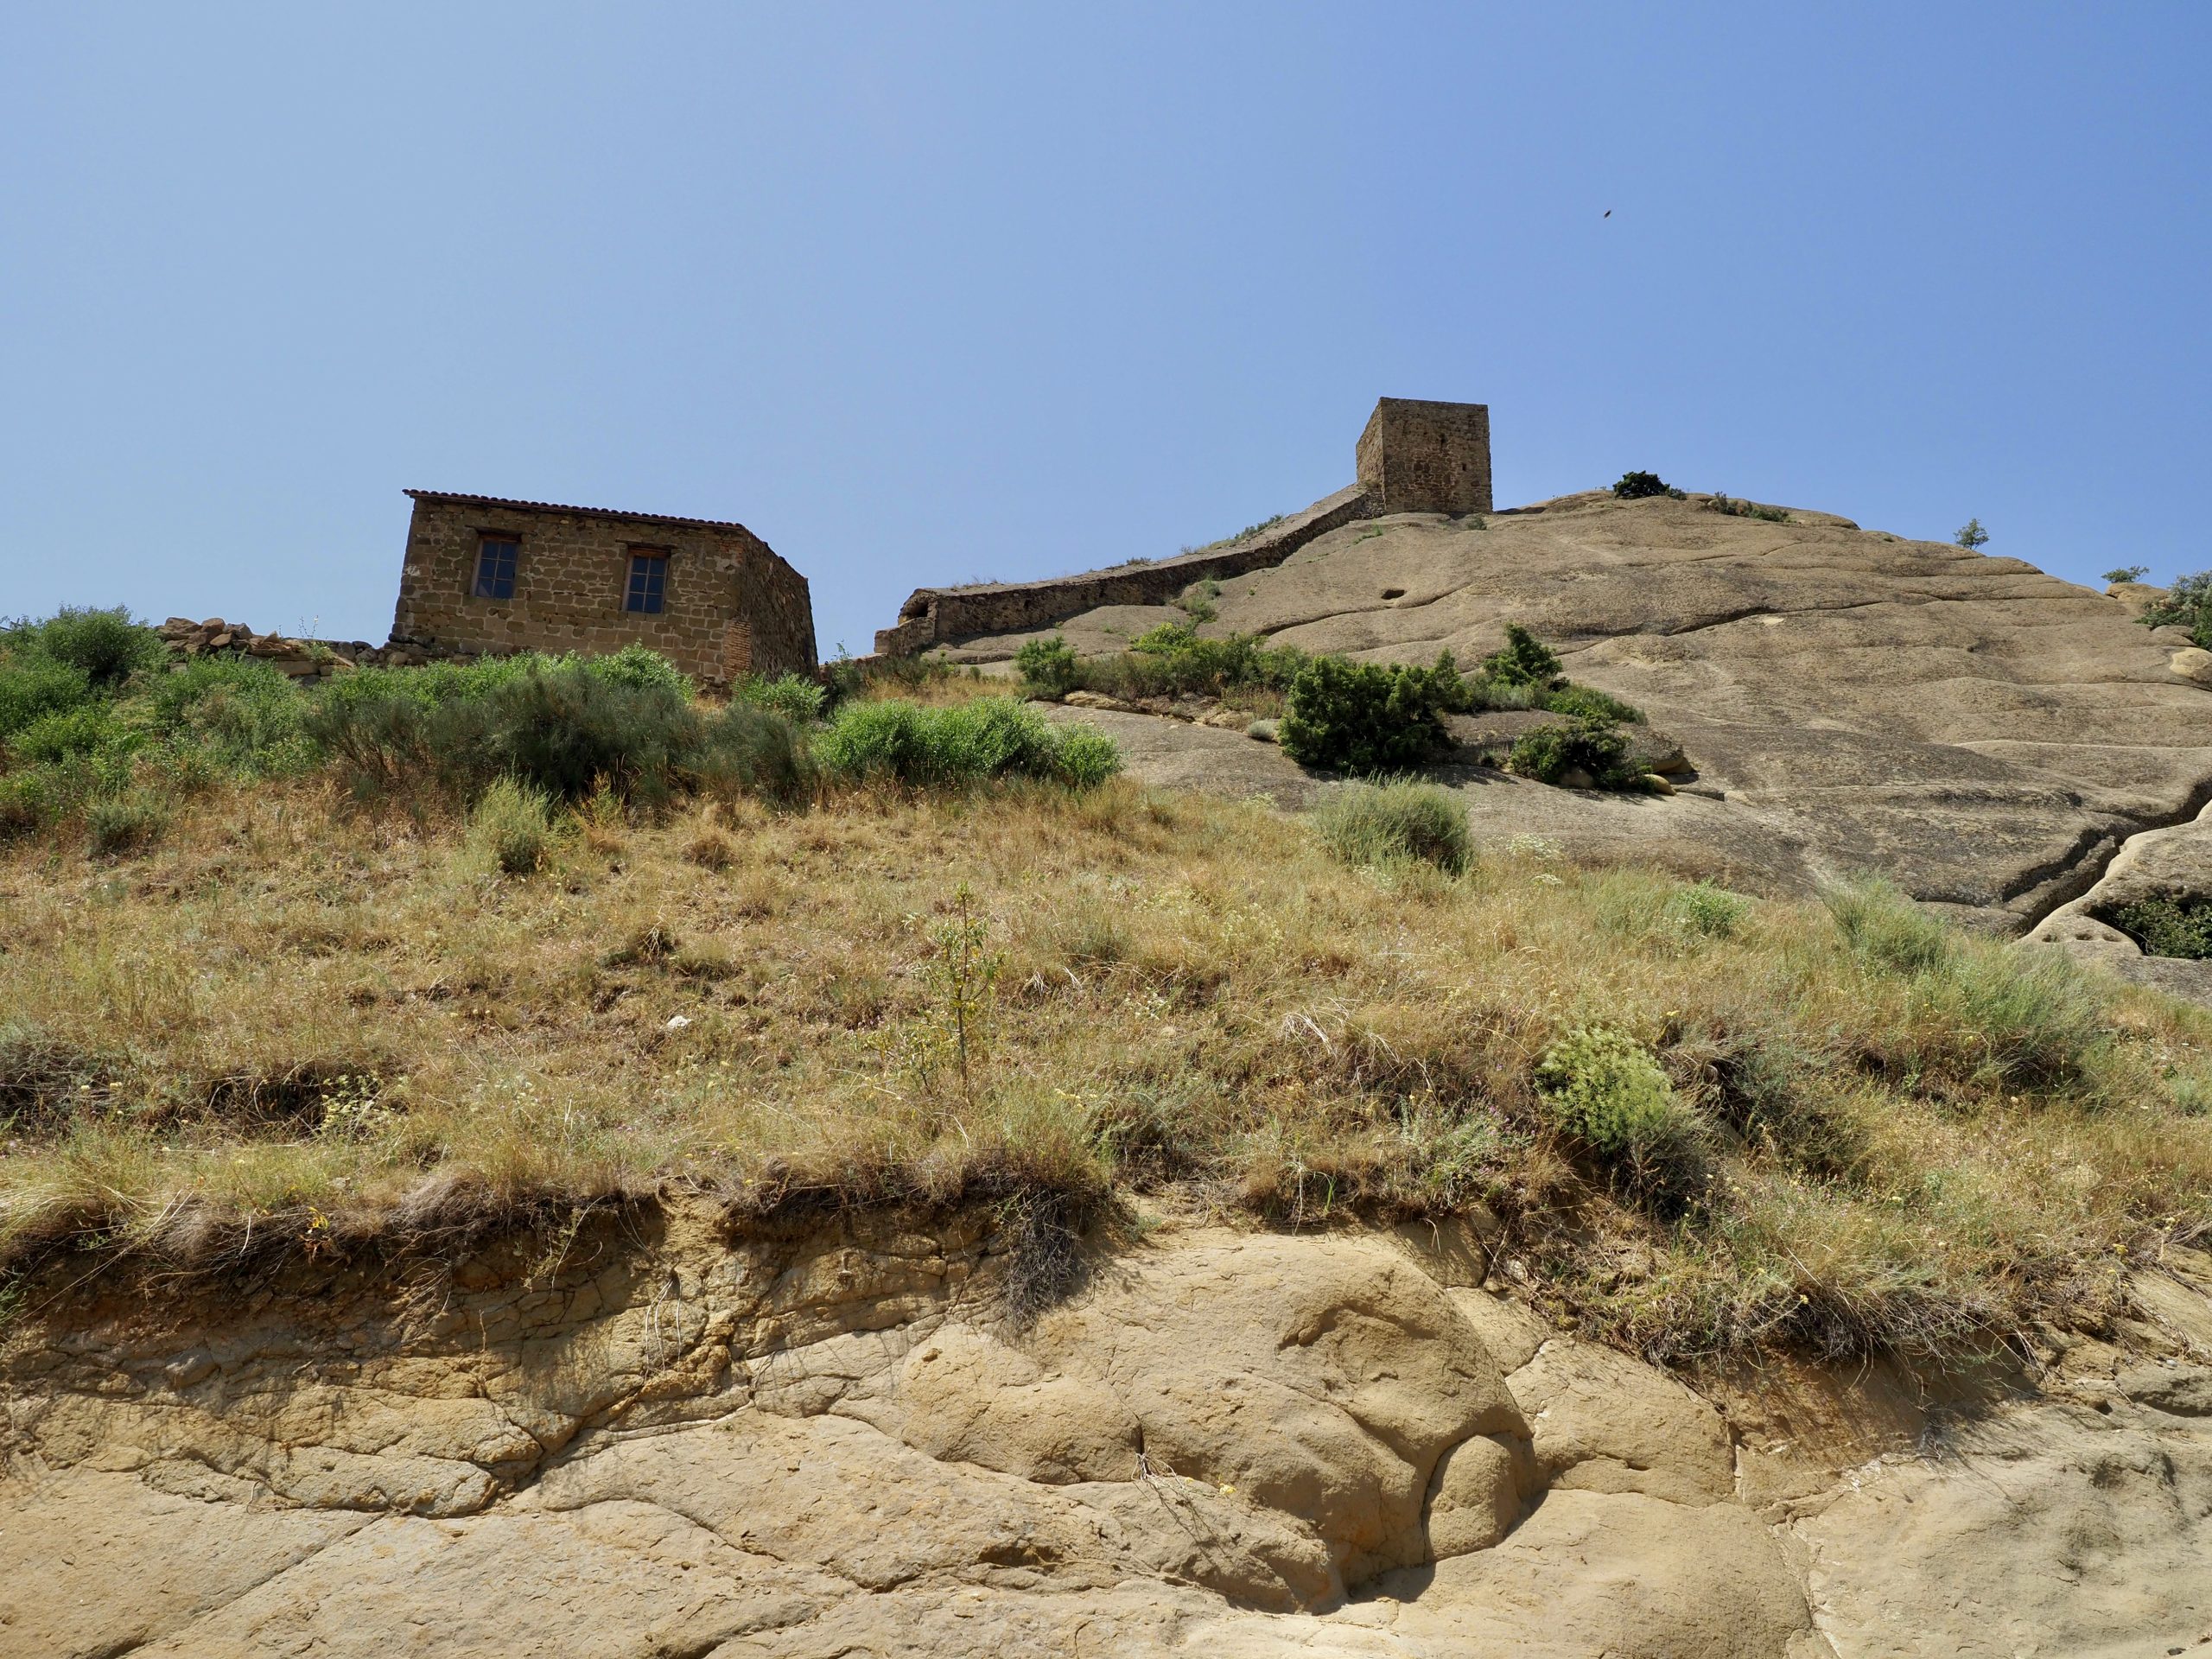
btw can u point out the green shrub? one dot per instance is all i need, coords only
(1175, 660)
(126, 822)
(25, 805)
(1636, 487)
(641, 668)
(564, 730)
(2187, 604)
(513, 826)
(432, 685)
(558, 727)
(2126, 574)
(1588, 703)
(1720, 503)
(1707, 911)
(794, 697)
(32, 687)
(1361, 717)
(749, 750)
(1087, 758)
(1523, 660)
(1972, 534)
(1383, 824)
(1885, 928)
(1048, 667)
(248, 716)
(2167, 924)
(81, 730)
(1547, 753)
(963, 743)
(1601, 1086)
(105, 645)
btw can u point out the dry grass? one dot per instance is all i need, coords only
(289, 1023)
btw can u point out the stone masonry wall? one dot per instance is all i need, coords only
(936, 616)
(731, 605)
(1414, 457)
(1426, 457)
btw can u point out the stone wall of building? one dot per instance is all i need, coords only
(730, 605)
(1426, 457)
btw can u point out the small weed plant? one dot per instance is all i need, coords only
(512, 827)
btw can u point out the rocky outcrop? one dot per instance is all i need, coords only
(643, 1439)
(1985, 735)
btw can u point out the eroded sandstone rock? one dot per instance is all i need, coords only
(659, 1443)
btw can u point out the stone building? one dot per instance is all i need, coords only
(483, 574)
(1424, 457)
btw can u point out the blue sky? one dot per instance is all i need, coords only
(928, 293)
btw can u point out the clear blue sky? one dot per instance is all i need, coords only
(928, 293)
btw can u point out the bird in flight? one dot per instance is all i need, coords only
(1609, 212)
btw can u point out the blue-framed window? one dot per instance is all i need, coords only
(495, 567)
(648, 583)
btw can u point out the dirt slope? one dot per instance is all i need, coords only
(1983, 733)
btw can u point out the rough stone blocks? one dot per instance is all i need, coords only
(729, 605)
(1426, 457)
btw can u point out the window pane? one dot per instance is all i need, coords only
(495, 569)
(648, 575)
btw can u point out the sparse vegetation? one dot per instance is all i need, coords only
(1592, 753)
(1048, 667)
(1722, 502)
(1913, 1138)
(2187, 604)
(2168, 924)
(2126, 574)
(1240, 537)
(1970, 535)
(1638, 486)
(965, 744)
(1373, 826)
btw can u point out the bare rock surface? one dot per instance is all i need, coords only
(650, 1440)
(1849, 701)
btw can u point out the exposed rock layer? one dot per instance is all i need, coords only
(643, 1440)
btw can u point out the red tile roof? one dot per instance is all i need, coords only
(557, 506)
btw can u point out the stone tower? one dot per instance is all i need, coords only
(1424, 457)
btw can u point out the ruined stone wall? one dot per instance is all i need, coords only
(1414, 457)
(1426, 457)
(730, 605)
(937, 616)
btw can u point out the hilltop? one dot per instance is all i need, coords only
(1852, 701)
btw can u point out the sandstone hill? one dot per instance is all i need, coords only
(1984, 733)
